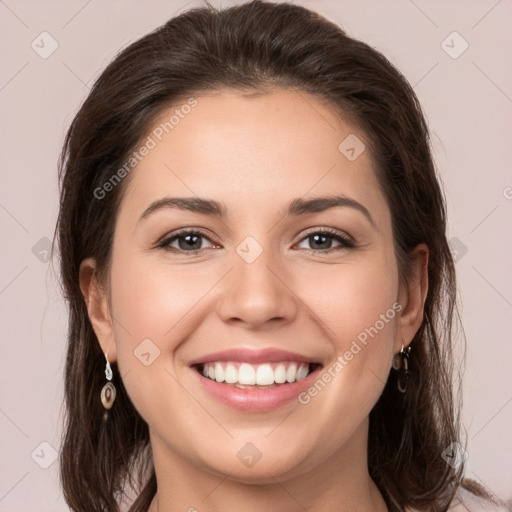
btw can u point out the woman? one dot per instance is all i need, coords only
(261, 292)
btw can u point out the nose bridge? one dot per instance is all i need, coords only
(255, 291)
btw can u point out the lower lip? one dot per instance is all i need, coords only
(255, 400)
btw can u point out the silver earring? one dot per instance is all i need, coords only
(108, 393)
(401, 365)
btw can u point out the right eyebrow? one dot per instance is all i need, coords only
(193, 204)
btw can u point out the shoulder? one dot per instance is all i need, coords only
(468, 498)
(467, 501)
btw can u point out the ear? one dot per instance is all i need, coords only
(412, 298)
(96, 300)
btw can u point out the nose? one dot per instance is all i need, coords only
(256, 294)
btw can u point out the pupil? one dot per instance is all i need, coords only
(190, 244)
(316, 237)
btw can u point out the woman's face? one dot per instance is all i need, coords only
(259, 294)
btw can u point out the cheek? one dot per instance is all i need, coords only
(364, 311)
(152, 301)
(354, 301)
(152, 310)
(359, 311)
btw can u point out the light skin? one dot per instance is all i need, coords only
(255, 155)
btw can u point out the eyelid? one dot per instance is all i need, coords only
(330, 231)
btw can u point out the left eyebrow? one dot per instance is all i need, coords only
(302, 206)
(299, 206)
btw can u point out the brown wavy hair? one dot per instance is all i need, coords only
(256, 46)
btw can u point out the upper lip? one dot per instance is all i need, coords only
(254, 356)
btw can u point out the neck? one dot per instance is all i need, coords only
(340, 483)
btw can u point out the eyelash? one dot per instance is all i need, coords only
(346, 242)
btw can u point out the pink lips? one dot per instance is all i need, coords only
(257, 399)
(252, 356)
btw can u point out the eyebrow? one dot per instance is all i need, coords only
(299, 206)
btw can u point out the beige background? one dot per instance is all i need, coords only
(468, 101)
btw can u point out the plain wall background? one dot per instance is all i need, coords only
(468, 103)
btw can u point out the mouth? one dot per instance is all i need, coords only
(243, 375)
(255, 381)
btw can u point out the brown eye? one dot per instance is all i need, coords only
(187, 241)
(323, 240)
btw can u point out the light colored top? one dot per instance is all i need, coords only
(465, 501)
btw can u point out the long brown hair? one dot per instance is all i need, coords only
(252, 46)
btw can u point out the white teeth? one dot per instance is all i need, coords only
(231, 374)
(280, 374)
(291, 373)
(219, 372)
(264, 375)
(246, 374)
(302, 372)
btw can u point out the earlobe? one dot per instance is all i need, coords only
(414, 297)
(95, 298)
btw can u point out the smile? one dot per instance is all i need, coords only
(246, 375)
(255, 380)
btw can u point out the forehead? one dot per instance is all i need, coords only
(252, 152)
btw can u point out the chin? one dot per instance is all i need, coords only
(258, 468)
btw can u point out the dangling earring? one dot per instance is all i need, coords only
(401, 364)
(108, 393)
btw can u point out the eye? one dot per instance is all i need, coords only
(187, 241)
(322, 241)
(191, 241)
